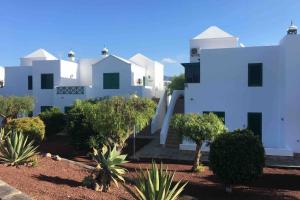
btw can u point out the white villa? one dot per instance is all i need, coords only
(255, 87)
(56, 82)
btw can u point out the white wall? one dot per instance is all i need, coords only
(69, 73)
(224, 87)
(2, 73)
(85, 70)
(16, 81)
(290, 48)
(111, 64)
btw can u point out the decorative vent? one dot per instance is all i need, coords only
(194, 52)
(70, 90)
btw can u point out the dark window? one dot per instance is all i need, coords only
(111, 81)
(221, 115)
(29, 83)
(67, 109)
(45, 108)
(255, 123)
(47, 81)
(30, 114)
(192, 72)
(255, 74)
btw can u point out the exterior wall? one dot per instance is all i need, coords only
(85, 70)
(2, 73)
(224, 87)
(69, 73)
(112, 64)
(291, 93)
(16, 81)
(137, 72)
(44, 97)
(212, 43)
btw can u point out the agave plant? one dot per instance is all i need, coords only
(2, 135)
(16, 149)
(108, 168)
(156, 184)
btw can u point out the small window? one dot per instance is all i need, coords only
(47, 81)
(221, 115)
(192, 72)
(67, 109)
(45, 108)
(29, 83)
(255, 74)
(111, 81)
(255, 123)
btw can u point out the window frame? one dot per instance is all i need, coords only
(109, 86)
(44, 84)
(29, 82)
(254, 79)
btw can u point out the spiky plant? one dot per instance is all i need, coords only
(2, 135)
(16, 149)
(156, 184)
(108, 168)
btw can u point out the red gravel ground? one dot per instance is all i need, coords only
(61, 180)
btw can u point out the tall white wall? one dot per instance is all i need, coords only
(290, 48)
(69, 73)
(224, 87)
(85, 70)
(2, 73)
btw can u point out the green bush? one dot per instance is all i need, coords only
(79, 125)
(33, 127)
(237, 157)
(54, 119)
(177, 83)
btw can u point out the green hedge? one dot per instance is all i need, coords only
(237, 157)
(54, 119)
(33, 127)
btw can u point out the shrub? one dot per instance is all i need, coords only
(79, 125)
(54, 119)
(156, 184)
(177, 83)
(17, 149)
(108, 169)
(198, 128)
(237, 157)
(33, 127)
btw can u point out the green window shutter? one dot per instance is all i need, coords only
(45, 108)
(47, 81)
(255, 74)
(111, 81)
(221, 115)
(29, 83)
(255, 123)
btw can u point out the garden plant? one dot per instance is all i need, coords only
(156, 184)
(198, 128)
(177, 83)
(54, 120)
(237, 157)
(108, 169)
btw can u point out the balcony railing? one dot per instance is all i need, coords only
(77, 90)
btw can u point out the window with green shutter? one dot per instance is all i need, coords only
(47, 81)
(192, 72)
(255, 123)
(221, 115)
(255, 74)
(111, 81)
(29, 83)
(45, 108)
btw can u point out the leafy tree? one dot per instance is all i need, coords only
(237, 157)
(115, 118)
(11, 106)
(198, 128)
(177, 83)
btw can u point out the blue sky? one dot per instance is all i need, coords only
(160, 29)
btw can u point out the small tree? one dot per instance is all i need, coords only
(11, 106)
(115, 118)
(177, 83)
(237, 157)
(54, 119)
(198, 128)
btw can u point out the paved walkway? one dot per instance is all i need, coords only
(9, 193)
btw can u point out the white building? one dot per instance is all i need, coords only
(55, 82)
(255, 87)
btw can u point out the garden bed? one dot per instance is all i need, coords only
(62, 180)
